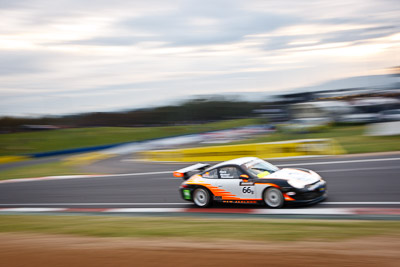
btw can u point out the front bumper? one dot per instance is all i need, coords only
(308, 201)
(306, 196)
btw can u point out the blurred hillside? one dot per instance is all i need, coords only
(193, 112)
(377, 90)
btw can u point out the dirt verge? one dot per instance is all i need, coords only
(59, 250)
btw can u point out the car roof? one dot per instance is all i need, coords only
(238, 161)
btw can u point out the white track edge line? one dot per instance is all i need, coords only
(90, 204)
(165, 204)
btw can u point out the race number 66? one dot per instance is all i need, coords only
(247, 190)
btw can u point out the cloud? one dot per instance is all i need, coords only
(345, 34)
(111, 41)
(359, 34)
(17, 63)
(67, 56)
(210, 22)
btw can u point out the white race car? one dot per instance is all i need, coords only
(250, 180)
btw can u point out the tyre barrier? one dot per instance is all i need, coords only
(283, 149)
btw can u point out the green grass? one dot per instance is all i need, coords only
(351, 138)
(35, 142)
(199, 228)
(41, 170)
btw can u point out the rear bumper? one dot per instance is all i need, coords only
(186, 193)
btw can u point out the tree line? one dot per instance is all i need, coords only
(193, 111)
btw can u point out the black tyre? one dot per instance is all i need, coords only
(273, 198)
(201, 197)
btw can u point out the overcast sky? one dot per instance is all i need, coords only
(70, 56)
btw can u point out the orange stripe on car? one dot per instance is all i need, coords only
(225, 195)
(288, 198)
(218, 192)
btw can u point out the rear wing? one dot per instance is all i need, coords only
(185, 173)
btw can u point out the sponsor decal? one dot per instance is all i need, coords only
(186, 194)
(239, 201)
(263, 174)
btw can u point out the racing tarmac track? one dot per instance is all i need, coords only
(353, 181)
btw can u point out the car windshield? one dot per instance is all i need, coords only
(260, 168)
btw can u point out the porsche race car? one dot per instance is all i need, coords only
(250, 180)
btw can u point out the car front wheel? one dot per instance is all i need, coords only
(273, 198)
(201, 197)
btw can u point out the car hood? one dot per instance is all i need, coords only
(299, 177)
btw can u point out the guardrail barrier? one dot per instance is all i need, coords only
(292, 148)
(9, 159)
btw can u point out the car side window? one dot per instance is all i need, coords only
(213, 174)
(229, 173)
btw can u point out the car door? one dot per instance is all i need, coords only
(229, 180)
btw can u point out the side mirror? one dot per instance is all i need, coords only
(244, 177)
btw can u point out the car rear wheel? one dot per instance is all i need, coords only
(273, 198)
(202, 197)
